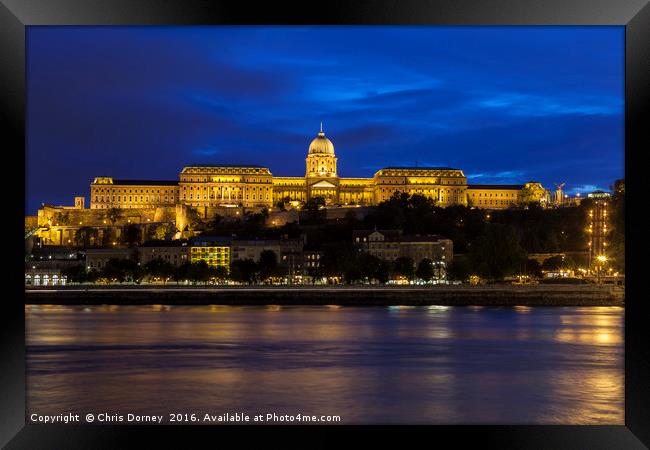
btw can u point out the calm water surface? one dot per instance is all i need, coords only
(433, 365)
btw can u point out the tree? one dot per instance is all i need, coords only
(459, 269)
(181, 273)
(61, 218)
(283, 202)
(108, 237)
(315, 210)
(372, 268)
(404, 267)
(161, 231)
(75, 274)
(526, 195)
(85, 236)
(351, 218)
(414, 213)
(497, 253)
(219, 273)
(254, 223)
(113, 214)
(159, 268)
(338, 258)
(122, 270)
(131, 235)
(352, 274)
(314, 273)
(533, 268)
(268, 264)
(243, 271)
(425, 270)
(199, 271)
(553, 263)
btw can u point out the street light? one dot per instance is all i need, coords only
(602, 259)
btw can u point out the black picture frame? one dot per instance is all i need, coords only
(16, 15)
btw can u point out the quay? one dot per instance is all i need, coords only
(448, 295)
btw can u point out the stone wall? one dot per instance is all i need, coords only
(60, 216)
(59, 224)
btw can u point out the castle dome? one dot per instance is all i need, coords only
(321, 145)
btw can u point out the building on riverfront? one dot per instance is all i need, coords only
(392, 244)
(208, 186)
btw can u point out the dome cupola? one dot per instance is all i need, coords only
(321, 161)
(321, 145)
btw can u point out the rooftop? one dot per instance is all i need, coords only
(205, 241)
(146, 182)
(388, 233)
(417, 168)
(160, 243)
(422, 238)
(256, 166)
(495, 186)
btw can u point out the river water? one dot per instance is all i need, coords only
(379, 365)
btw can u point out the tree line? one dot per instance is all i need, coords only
(361, 267)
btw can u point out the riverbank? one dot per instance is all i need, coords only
(494, 295)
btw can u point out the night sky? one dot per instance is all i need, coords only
(504, 104)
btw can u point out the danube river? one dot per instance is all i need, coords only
(426, 365)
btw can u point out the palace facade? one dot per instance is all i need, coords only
(205, 186)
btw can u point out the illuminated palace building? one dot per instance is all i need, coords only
(206, 186)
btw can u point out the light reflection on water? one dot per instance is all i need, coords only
(437, 365)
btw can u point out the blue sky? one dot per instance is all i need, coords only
(504, 104)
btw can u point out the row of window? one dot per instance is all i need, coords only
(401, 181)
(496, 194)
(120, 205)
(416, 172)
(45, 280)
(228, 197)
(217, 169)
(495, 202)
(225, 180)
(132, 191)
(143, 199)
(225, 188)
(424, 191)
(167, 256)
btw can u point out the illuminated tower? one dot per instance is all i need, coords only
(322, 180)
(598, 228)
(321, 161)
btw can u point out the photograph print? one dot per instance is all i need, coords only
(325, 225)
